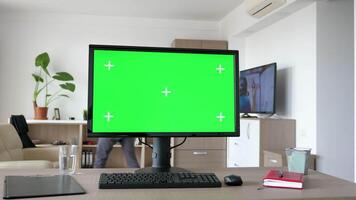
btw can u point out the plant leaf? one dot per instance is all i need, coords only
(68, 86)
(64, 95)
(42, 61)
(63, 76)
(37, 78)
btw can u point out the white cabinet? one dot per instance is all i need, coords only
(244, 151)
(257, 135)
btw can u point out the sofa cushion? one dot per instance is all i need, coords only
(10, 142)
(41, 153)
(26, 164)
(4, 155)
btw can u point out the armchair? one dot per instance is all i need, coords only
(12, 155)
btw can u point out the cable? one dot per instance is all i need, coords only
(150, 146)
(179, 144)
(139, 139)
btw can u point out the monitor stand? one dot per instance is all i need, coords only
(246, 115)
(161, 155)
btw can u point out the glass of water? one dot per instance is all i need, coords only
(68, 159)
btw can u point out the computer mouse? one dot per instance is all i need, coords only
(233, 180)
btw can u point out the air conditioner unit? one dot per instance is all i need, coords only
(260, 8)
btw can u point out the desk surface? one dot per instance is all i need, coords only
(317, 186)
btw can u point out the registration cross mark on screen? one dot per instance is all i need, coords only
(163, 92)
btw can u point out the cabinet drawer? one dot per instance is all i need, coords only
(244, 151)
(203, 159)
(271, 159)
(202, 143)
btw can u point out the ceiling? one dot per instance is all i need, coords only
(207, 10)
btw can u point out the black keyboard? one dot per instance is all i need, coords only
(158, 180)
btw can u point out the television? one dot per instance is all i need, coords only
(258, 89)
(162, 93)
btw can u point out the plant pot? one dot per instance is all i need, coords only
(41, 113)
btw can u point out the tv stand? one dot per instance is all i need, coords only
(161, 155)
(246, 115)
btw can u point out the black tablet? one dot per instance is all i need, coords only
(40, 186)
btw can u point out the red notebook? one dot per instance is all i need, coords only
(279, 179)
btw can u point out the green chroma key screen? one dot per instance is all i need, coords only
(162, 92)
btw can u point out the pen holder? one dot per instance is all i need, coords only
(298, 159)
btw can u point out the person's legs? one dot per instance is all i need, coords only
(128, 148)
(103, 150)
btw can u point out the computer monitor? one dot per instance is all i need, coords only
(162, 93)
(258, 90)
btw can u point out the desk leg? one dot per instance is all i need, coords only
(80, 147)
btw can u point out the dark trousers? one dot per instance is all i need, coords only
(105, 146)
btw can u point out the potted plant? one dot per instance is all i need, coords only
(43, 79)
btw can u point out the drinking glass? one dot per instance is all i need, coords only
(298, 159)
(68, 159)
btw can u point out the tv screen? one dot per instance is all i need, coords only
(257, 89)
(144, 90)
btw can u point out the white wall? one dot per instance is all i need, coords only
(314, 49)
(335, 88)
(239, 43)
(291, 42)
(66, 39)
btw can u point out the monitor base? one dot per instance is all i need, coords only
(158, 170)
(246, 115)
(161, 155)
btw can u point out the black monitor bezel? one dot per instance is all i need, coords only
(274, 64)
(93, 47)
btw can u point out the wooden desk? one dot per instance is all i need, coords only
(317, 186)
